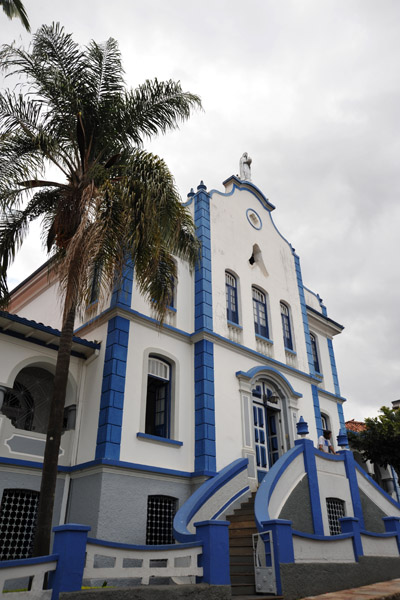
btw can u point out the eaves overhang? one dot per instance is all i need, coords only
(43, 335)
(324, 324)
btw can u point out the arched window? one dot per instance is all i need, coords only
(158, 399)
(232, 313)
(287, 331)
(260, 312)
(27, 404)
(315, 352)
(325, 422)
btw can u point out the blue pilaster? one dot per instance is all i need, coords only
(203, 291)
(317, 409)
(205, 452)
(304, 313)
(333, 367)
(113, 389)
(122, 294)
(351, 473)
(310, 468)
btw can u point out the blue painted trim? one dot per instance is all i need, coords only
(292, 352)
(229, 502)
(186, 513)
(203, 286)
(72, 527)
(205, 448)
(45, 328)
(350, 463)
(313, 486)
(324, 315)
(264, 339)
(20, 336)
(375, 485)
(317, 410)
(122, 295)
(236, 325)
(378, 535)
(331, 395)
(396, 483)
(248, 186)
(104, 462)
(158, 439)
(322, 538)
(268, 484)
(254, 371)
(249, 220)
(341, 417)
(333, 367)
(148, 548)
(22, 562)
(113, 389)
(304, 313)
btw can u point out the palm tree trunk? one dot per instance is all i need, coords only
(54, 431)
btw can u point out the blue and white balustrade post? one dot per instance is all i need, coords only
(70, 545)
(215, 558)
(392, 525)
(302, 427)
(352, 525)
(342, 440)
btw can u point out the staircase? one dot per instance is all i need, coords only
(242, 526)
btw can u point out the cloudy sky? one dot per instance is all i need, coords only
(311, 89)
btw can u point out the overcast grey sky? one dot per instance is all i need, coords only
(311, 89)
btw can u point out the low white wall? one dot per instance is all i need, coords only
(286, 484)
(377, 497)
(375, 546)
(320, 551)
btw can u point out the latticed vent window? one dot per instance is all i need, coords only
(160, 516)
(18, 512)
(335, 508)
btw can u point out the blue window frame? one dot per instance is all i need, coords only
(287, 331)
(315, 353)
(158, 400)
(260, 313)
(232, 313)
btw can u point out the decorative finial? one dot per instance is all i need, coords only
(201, 186)
(245, 167)
(302, 427)
(342, 438)
(191, 193)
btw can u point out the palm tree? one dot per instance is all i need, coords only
(114, 202)
(15, 8)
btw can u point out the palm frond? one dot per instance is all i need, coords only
(15, 8)
(156, 107)
(106, 72)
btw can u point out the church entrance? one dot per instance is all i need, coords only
(267, 423)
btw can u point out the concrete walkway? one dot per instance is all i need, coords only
(386, 590)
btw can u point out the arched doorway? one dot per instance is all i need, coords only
(271, 437)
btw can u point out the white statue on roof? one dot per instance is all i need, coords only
(245, 168)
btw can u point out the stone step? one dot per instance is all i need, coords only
(242, 568)
(237, 560)
(240, 541)
(246, 589)
(242, 578)
(246, 524)
(245, 532)
(241, 551)
(241, 517)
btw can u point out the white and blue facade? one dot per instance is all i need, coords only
(245, 350)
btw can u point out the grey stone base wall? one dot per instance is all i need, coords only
(310, 579)
(113, 502)
(152, 592)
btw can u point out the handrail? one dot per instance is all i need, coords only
(268, 484)
(200, 497)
